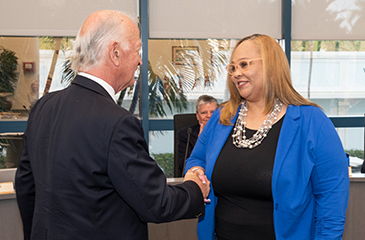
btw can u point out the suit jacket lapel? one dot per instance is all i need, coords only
(194, 135)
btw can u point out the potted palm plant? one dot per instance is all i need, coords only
(8, 66)
(170, 92)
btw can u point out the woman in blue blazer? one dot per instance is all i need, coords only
(275, 161)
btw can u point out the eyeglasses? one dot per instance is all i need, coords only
(241, 65)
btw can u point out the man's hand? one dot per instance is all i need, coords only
(197, 175)
(202, 125)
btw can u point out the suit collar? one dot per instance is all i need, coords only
(91, 85)
(101, 82)
(195, 131)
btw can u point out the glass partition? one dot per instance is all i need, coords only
(38, 65)
(162, 150)
(192, 63)
(332, 74)
(182, 70)
(30, 68)
(353, 142)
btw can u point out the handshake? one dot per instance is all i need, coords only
(197, 175)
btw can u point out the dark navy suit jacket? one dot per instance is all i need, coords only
(85, 171)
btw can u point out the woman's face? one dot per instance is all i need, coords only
(35, 87)
(247, 74)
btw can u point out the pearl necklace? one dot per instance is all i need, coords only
(239, 131)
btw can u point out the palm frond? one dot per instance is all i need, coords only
(161, 93)
(67, 74)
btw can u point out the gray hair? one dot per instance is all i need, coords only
(89, 47)
(204, 99)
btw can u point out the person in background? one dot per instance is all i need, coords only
(48, 85)
(33, 95)
(205, 106)
(85, 171)
(276, 164)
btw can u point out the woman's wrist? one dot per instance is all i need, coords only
(196, 168)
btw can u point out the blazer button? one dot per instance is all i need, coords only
(276, 206)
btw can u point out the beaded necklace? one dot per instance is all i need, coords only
(239, 131)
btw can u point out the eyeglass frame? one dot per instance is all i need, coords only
(236, 65)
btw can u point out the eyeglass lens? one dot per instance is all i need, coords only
(242, 65)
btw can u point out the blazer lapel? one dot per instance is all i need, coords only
(222, 134)
(290, 127)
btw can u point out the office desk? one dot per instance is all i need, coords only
(182, 229)
(355, 222)
(11, 225)
(10, 221)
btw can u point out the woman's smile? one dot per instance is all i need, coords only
(241, 84)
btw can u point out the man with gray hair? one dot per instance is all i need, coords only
(187, 137)
(85, 171)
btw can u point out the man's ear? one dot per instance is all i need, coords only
(114, 53)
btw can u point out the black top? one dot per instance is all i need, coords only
(241, 180)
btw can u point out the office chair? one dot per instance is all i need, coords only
(181, 121)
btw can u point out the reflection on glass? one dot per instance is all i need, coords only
(182, 70)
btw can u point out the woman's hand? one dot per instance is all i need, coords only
(197, 174)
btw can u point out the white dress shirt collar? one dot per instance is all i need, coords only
(102, 83)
